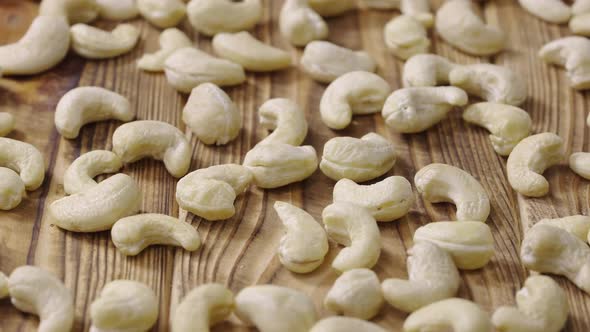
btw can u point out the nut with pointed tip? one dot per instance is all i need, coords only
(79, 175)
(579, 162)
(162, 13)
(457, 315)
(25, 159)
(285, 119)
(202, 308)
(251, 53)
(6, 123)
(12, 189)
(345, 324)
(356, 293)
(572, 54)
(331, 8)
(300, 24)
(405, 37)
(580, 24)
(427, 70)
(210, 17)
(3, 286)
(577, 225)
(170, 40)
(554, 11)
(117, 10)
(74, 11)
(93, 43)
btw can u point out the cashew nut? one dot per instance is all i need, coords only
(162, 13)
(274, 309)
(36, 291)
(24, 159)
(355, 228)
(170, 40)
(84, 105)
(577, 225)
(159, 140)
(3, 285)
(418, 9)
(117, 10)
(357, 159)
(212, 115)
(74, 11)
(251, 53)
(571, 53)
(405, 37)
(42, 47)
(6, 123)
(325, 62)
(93, 43)
(210, 192)
(580, 163)
(432, 276)
(124, 305)
(580, 25)
(541, 306)
(202, 307)
(529, 159)
(413, 110)
(357, 92)
(457, 315)
(300, 24)
(580, 7)
(12, 189)
(210, 17)
(554, 11)
(345, 324)
(508, 124)
(355, 293)
(285, 119)
(79, 175)
(427, 70)
(99, 207)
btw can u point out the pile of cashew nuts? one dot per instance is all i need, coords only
(433, 87)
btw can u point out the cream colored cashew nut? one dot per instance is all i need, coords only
(251, 53)
(79, 176)
(541, 306)
(162, 13)
(25, 159)
(413, 110)
(345, 324)
(93, 43)
(572, 54)
(329, 8)
(356, 293)
(12, 189)
(300, 24)
(39, 292)
(122, 306)
(285, 119)
(202, 308)
(405, 37)
(457, 315)
(88, 104)
(354, 227)
(3, 285)
(554, 11)
(305, 244)
(117, 10)
(7, 122)
(324, 61)
(580, 24)
(529, 159)
(577, 225)
(427, 70)
(210, 17)
(579, 162)
(170, 40)
(354, 93)
(210, 192)
(159, 140)
(74, 11)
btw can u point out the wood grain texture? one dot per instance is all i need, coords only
(242, 251)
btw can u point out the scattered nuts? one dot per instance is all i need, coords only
(79, 175)
(6, 123)
(202, 307)
(356, 293)
(74, 11)
(580, 25)
(427, 70)
(213, 16)
(580, 163)
(325, 62)
(577, 225)
(405, 37)
(93, 43)
(24, 159)
(170, 40)
(345, 324)
(162, 13)
(457, 315)
(285, 119)
(251, 53)
(300, 24)
(554, 11)
(12, 189)
(330, 8)
(117, 10)
(571, 53)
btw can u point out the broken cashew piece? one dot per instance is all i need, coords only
(210, 17)
(356, 293)
(12, 189)
(529, 159)
(7, 122)
(427, 70)
(79, 175)
(579, 162)
(88, 104)
(25, 159)
(577, 225)
(254, 55)
(405, 37)
(300, 24)
(202, 308)
(93, 43)
(74, 11)
(579, 24)
(572, 54)
(331, 8)
(170, 40)
(117, 10)
(285, 119)
(554, 11)
(457, 315)
(162, 13)
(345, 324)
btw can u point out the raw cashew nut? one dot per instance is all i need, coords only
(36, 291)
(305, 244)
(42, 47)
(74, 11)
(277, 165)
(529, 159)
(24, 159)
(457, 315)
(541, 306)
(210, 192)
(117, 10)
(12, 189)
(99, 207)
(79, 175)
(508, 124)
(357, 92)
(300, 24)
(355, 228)
(159, 140)
(554, 11)
(170, 40)
(577, 225)
(356, 293)
(580, 24)
(427, 70)
(413, 110)
(212, 115)
(124, 305)
(3, 285)
(432, 276)
(572, 54)
(201, 308)
(285, 119)
(162, 13)
(357, 159)
(6, 123)
(387, 200)
(405, 37)
(470, 243)
(274, 309)
(93, 43)
(330, 8)
(210, 17)
(579, 162)
(84, 105)
(325, 62)
(251, 53)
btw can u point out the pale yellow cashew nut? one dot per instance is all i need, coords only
(12, 189)
(579, 163)
(457, 315)
(300, 24)
(79, 175)
(577, 225)
(7, 122)
(170, 40)
(572, 53)
(93, 43)
(554, 11)
(251, 53)
(285, 119)
(162, 13)
(580, 24)
(427, 70)
(214, 16)
(356, 293)
(25, 159)
(405, 37)
(117, 10)
(202, 308)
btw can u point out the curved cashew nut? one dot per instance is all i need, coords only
(490, 82)
(571, 53)
(356, 293)
(212, 115)
(210, 192)
(12, 189)
(84, 105)
(202, 307)
(413, 110)
(427, 70)
(24, 159)
(357, 92)
(162, 13)
(42, 47)
(470, 243)
(432, 276)
(541, 306)
(3, 285)
(117, 10)
(79, 175)
(74, 11)
(508, 124)
(170, 40)
(286, 120)
(210, 17)
(330, 8)
(325, 62)
(457, 315)
(529, 159)
(387, 200)
(93, 43)
(274, 308)
(159, 140)
(99, 207)
(354, 227)
(6, 123)
(39, 292)
(251, 53)
(345, 324)
(357, 159)
(580, 163)
(124, 305)
(554, 11)
(580, 25)
(300, 24)
(305, 244)
(405, 37)
(577, 225)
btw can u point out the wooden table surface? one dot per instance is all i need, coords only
(242, 250)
